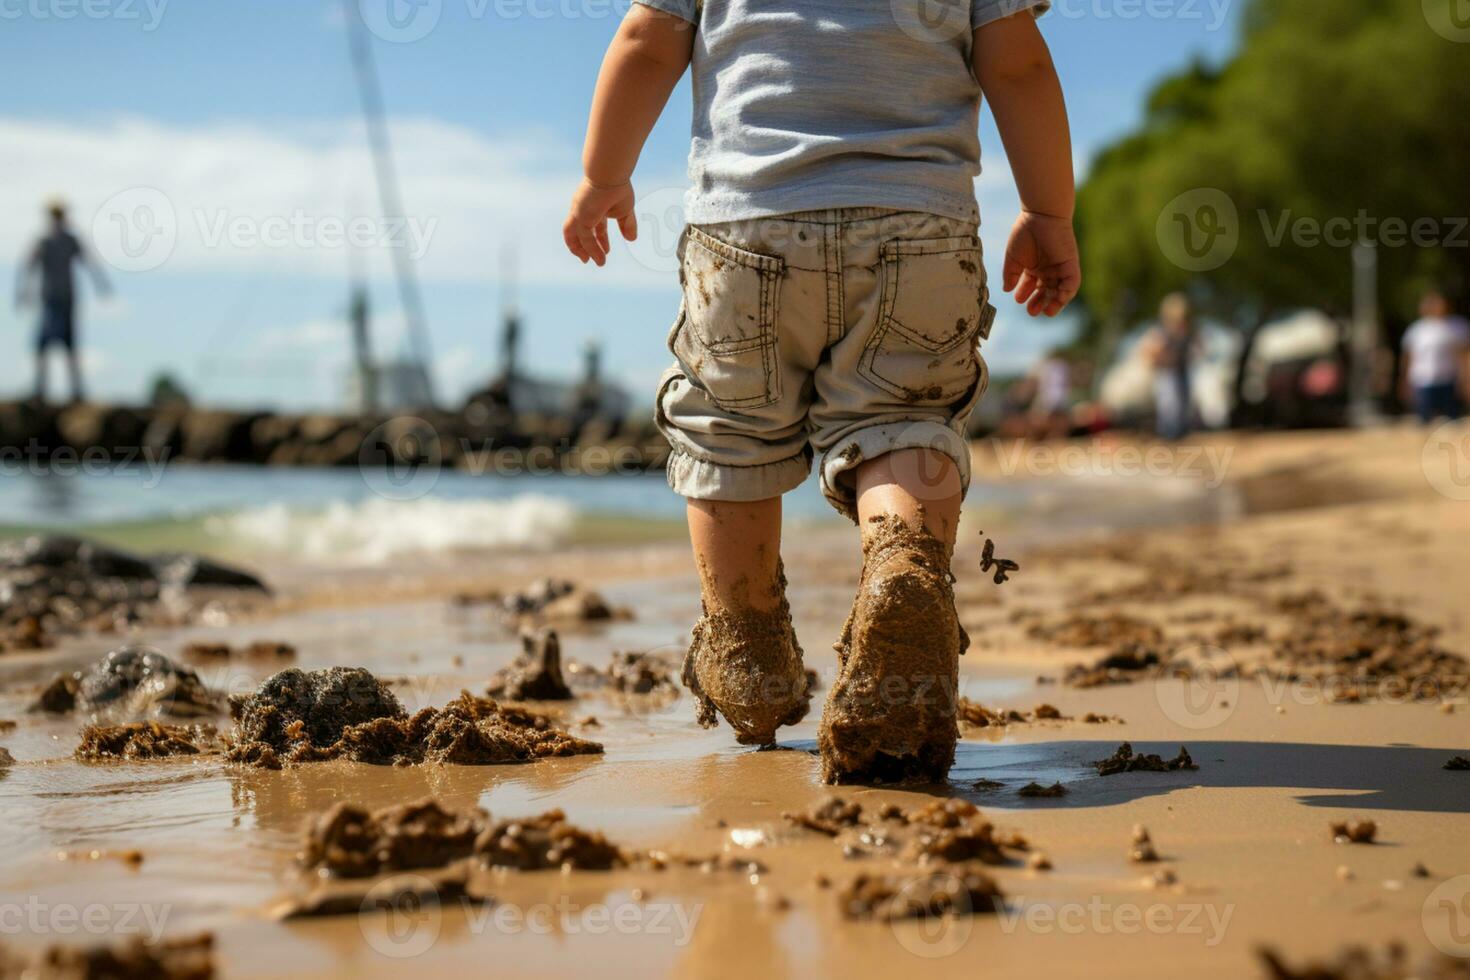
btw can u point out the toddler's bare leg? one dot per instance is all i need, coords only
(744, 661)
(737, 545)
(890, 714)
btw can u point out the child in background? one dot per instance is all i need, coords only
(833, 304)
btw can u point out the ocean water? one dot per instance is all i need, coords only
(336, 515)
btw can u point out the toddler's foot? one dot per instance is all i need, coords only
(747, 665)
(890, 714)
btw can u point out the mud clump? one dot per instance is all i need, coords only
(347, 713)
(891, 711)
(59, 696)
(130, 682)
(54, 585)
(747, 665)
(1458, 764)
(1110, 630)
(976, 715)
(143, 740)
(631, 672)
(1354, 831)
(190, 958)
(351, 842)
(544, 842)
(1128, 663)
(953, 831)
(535, 674)
(1378, 649)
(549, 601)
(294, 707)
(1125, 760)
(830, 817)
(1392, 962)
(892, 897)
(258, 650)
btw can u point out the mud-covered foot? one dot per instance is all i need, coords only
(890, 714)
(747, 666)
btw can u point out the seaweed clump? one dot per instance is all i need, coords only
(1126, 760)
(142, 740)
(347, 713)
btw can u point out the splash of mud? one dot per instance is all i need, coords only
(1392, 962)
(891, 712)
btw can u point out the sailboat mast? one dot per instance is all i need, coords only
(371, 91)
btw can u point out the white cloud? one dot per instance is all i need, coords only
(242, 193)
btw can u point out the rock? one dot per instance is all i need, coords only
(136, 682)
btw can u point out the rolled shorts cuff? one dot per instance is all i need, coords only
(701, 479)
(876, 440)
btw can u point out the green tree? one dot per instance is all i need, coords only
(1341, 117)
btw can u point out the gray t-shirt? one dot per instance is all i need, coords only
(808, 104)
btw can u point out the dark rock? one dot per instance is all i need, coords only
(136, 682)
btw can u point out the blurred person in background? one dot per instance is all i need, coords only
(1051, 408)
(1171, 348)
(51, 266)
(1436, 360)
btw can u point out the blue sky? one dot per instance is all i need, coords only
(244, 117)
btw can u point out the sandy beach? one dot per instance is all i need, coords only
(1288, 608)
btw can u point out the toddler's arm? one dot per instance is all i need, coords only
(1015, 72)
(641, 67)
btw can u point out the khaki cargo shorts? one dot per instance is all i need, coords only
(841, 335)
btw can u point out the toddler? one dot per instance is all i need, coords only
(833, 304)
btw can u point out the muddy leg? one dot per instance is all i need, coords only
(890, 714)
(918, 485)
(737, 545)
(744, 660)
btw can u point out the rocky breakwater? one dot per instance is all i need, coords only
(42, 436)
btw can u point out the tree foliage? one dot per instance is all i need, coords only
(1345, 116)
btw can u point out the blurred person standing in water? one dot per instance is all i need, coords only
(51, 267)
(1170, 349)
(1436, 360)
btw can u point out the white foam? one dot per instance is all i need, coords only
(370, 532)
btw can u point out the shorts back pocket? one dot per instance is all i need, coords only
(933, 306)
(726, 341)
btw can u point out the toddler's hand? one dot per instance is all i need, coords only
(1041, 265)
(585, 230)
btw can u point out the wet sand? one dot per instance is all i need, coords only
(1246, 835)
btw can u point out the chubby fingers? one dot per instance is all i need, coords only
(583, 240)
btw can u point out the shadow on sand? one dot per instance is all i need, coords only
(1396, 777)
